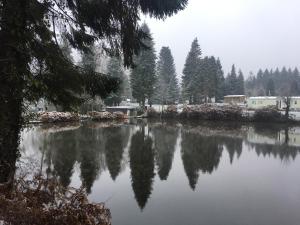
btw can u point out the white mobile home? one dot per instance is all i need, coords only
(263, 101)
(294, 103)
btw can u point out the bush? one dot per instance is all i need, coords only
(170, 112)
(211, 112)
(97, 116)
(152, 113)
(269, 114)
(54, 117)
(119, 115)
(45, 201)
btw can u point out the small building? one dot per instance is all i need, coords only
(268, 101)
(234, 99)
(294, 103)
(128, 110)
(263, 101)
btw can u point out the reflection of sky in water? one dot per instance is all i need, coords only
(177, 174)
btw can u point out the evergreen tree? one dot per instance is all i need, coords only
(88, 58)
(270, 88)
(294, 90)
(220, 89)
(191, 73)
(173, 91)
(240, 84)
(114, 69)
(127, 93)
(231, 82)
(167, 90)
(89, 63)
(143, 77)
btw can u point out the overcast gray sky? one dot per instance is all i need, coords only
(252, 34)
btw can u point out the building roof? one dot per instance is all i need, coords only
(121, 107)
(232, 96)
(264, 97)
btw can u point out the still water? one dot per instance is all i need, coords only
(156, 173)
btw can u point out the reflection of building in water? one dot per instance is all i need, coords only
(257, 138)
(290, 137)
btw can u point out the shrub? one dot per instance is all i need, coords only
(45, 201)
(152, 113)
(212, 112)
(170, 112)
(268, 114)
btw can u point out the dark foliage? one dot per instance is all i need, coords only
(268, 115)
(32, 64)
(44, 201)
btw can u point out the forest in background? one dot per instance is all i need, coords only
(153, 79)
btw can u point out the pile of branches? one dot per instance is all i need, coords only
(99, 116)
(212, 112)
(170, 112)
(45, 201)
(54, 117)
(119, 115)
(268, 114)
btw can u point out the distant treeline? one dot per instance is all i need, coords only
(274, 83)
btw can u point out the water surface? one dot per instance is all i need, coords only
(176, 173)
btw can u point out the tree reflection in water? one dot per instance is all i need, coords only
(97, 147)
(199, 153)
(165, 138)
(116, 141)
(142, 166)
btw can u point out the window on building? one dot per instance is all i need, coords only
(295, 102)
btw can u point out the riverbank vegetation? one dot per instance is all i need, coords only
(221, 113)
(39, 200)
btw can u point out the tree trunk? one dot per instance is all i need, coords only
(287, 108)
(13, 68)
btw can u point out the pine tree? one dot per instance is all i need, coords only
(114, 69)
(270, 88)
(220, 91)
(127, 93)
(231, 82)
(191, 74)
(167, 90)
(143, 77)
(240, 84)
(88, 58)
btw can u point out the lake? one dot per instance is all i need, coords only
(169, 173)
